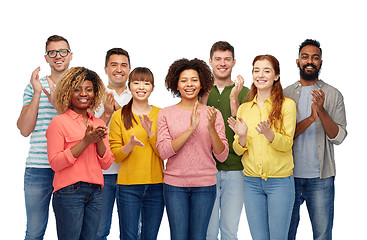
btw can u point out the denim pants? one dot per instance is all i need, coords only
(228, 205)
(141, 202)
(269, 206)
(189, 210)
(319, 195)
(37, 194)
(108, 201)
(77, 210)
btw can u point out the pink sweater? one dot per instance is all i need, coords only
(193, 165)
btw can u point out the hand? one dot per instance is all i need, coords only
(239, 127)
(237, 87)
(264, 128)
(36, 84)
(195, 117)
(212, 116)
(147, 124)
(94, 135)
(116, 105)
(135, 142)
(108, 103)
(50, 95)
(318, 98)
(314, 116)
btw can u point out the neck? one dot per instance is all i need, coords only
(308, 82)
(141, 107)
(118, 88)
(187, 104)
(56, 76)
(222, 83)
(262, 95)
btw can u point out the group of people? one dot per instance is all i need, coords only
(225, 146)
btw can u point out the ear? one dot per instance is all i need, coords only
(297, 62)
(276, 78)
(234, 62)
(105, 69)
(46, 58)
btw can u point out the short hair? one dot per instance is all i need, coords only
(71, 80)
(309, 42)
(222, 46)
(117, 51)
(203, 70)
(56, 38)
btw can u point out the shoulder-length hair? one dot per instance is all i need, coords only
(138, 74)
(276, 96)
(71, 80)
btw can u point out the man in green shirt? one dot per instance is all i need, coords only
(226, 96)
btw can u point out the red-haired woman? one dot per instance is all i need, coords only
(264, 130)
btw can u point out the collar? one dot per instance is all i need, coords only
(254, 101)
(319, 84)
(75, 115)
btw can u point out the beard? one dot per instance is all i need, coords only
(309, 76)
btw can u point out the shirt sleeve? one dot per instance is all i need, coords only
(107, 158)
(283, 141)
(116, 137)
(339, 117)
(59, 157)
(219, 126)
(164, 139)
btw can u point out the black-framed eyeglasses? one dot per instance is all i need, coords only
(53, 53)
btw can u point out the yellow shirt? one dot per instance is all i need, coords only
(143, 165)
(262, 158)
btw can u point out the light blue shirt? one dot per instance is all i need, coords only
(306, 163)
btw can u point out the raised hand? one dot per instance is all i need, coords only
(147, 124)
(195, 117)
(264, 128)
(239, 127)
(237, 88)
(50, 95)
(212, 115)
(135, 142)
(35, 82)
(108, 103)
(94, 135)
(318, 99)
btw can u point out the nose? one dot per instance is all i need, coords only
(83, 92)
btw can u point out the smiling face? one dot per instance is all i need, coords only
(82, 97)
(140, 90)
(117, 70)
(222, 63)
(264, 75)
(309, 63)
(189, 84)
(58, 64)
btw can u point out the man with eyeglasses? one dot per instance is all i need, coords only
(36, 114)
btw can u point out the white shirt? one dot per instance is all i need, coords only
(122, 100)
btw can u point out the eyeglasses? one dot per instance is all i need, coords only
(53, 53)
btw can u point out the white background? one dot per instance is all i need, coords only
(155, 33)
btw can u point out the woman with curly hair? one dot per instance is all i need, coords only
(264, 132)
(78, 150)
(189, 133)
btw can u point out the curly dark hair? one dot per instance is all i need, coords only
(309, 42)
(203, 70)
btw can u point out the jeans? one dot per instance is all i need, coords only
(269, 206)
(228, 205)
(143, 201)
(319, 195)
(108, 201)
(77, 210)
(189, 210)
(37, 194)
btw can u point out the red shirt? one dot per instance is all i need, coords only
(64, 131)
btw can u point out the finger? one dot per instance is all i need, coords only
(51, 84)
(35, 73)
(46, 92)
(240, 80)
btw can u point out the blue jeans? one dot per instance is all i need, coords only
(108, 201)
(143, 201)
(319, 195)
(37, 194)
(78, 211)
(189, 210)
(269, 206)
(228, 205)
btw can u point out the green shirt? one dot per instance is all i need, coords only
(222, 103)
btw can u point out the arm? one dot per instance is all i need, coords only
(233, 97)
(218, 135)
(28, 116)
(218, 145)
